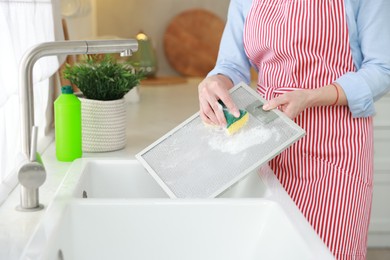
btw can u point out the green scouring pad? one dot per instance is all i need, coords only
(234, 124)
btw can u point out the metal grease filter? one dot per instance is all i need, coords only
(196, 161)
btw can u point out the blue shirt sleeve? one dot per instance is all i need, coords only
(369, 31)
(232, 60)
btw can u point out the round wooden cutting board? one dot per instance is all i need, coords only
(191, 42)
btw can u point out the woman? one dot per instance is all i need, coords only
(323, 63)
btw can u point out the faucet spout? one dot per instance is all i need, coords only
(127, 47)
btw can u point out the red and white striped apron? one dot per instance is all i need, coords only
(304, 44)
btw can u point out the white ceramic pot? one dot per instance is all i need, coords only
(103, 125)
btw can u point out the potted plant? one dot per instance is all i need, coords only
(103, 81)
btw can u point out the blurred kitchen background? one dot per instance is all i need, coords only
(94, 19)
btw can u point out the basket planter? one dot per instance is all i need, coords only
(103, 82)
(103, 125)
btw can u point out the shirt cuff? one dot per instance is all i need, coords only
(358, 93)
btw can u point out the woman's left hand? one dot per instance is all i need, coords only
(291, 103)
(294, 102)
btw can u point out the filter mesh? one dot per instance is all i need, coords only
(195, 161)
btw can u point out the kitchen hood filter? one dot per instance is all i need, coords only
(196, 161)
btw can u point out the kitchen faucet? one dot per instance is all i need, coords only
(32, 174)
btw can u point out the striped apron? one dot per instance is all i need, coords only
(304, 44)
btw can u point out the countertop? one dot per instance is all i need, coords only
(160, 109)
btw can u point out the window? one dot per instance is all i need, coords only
(23, 23)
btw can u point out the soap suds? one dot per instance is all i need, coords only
(243, 140)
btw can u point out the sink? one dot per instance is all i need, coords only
(115, 179)
(129, 179)
(113, 209)
(174, 229)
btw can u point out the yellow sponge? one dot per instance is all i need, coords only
(234, 124)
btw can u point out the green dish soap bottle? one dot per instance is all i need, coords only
(67, 120)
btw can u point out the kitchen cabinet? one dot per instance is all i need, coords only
(379, 230)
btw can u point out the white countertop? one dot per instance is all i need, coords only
(160, 109)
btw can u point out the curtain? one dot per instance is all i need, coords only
(23, 24)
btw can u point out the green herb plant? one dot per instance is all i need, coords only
(102, 78)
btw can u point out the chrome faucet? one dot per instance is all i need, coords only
(33, 174)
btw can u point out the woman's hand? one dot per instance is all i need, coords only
(291, 103)
(294, 102)
(212, 89)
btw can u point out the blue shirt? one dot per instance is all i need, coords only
(369, 35)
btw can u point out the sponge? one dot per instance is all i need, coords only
(234, 124)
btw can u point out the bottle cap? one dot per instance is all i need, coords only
(67, 90)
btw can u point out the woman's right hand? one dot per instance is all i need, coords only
(212, 89)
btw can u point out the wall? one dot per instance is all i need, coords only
(379, 232)
(125, 18)
(81, 22)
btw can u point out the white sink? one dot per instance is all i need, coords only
(115, 179)
(126, 215)
(128, 179)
